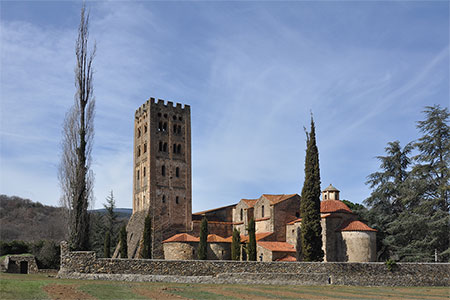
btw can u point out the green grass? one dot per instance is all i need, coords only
(21, 286)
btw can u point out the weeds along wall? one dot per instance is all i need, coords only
(85, 265)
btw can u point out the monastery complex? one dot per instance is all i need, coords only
(162, 188)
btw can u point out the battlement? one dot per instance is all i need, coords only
(161, 103)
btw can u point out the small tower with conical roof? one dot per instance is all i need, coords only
(330, 193)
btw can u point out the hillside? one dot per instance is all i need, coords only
(23, 219)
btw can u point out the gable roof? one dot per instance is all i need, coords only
(300, 219)
(355, 226)
(277, 246)
(213, 209)
(333, 206)
(287, 257)
(250, 202)
(214, 238)
(181, 237)
(274, 199)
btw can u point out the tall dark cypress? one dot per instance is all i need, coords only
(311, 230)
(236, 245)
(123, 242)
(202, 246)
(251, 240)
(147, 238)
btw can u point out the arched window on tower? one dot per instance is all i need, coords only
(174, 148)
(262, 211)
(242, 214)
(145, 128)
(177, 172)
(179, 149)
(139, 132)
(174, 128)
(160, 146)
(177, 201)
(138, 151)
(165, 147)
(145, 148)
(164, 127)
(179, 129)
(164, 199)
(160, 126)
(163, 170)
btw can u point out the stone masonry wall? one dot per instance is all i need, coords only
(84, 264)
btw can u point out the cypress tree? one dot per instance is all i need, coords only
(107, 245)
(202, 246)
(311, 230)
(147, 238)
(251, 241)
(123, 242)
(236, 245)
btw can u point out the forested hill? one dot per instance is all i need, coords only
(23, 219)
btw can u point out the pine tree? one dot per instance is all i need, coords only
(107, 245)
(311, 229)
(123, 242)
(202, 246)
(110, 218)
(147, 238)
(251, 240)
(236, 245)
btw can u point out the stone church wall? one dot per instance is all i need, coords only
(85, 265)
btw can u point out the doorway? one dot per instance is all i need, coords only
(23, 267)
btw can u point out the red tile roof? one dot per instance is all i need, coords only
(277, 246)
(214, 238)
(300, 219)
(287, 257)
(259, 236)
(182, 237)
(274, 199)
(332, 206)
(355, 226)
(262, 219)
(250, 202)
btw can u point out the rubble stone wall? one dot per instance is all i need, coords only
(85, 265)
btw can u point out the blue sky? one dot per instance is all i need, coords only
(252, 73)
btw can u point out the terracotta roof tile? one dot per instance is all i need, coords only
(277, 246)
(214, 238)
(213, 209)
(262, 219)
(300, 219)
(274, 199)
(259, 236)
(332, 206)
(287, 257)
(182, 237)
(250, 202)
(355, 226)
(331, 188)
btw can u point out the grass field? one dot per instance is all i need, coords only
(17, 286)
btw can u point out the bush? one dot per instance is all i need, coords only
(14, 247)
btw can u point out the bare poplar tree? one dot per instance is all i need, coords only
(74, 174)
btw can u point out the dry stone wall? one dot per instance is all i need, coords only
(86, 265)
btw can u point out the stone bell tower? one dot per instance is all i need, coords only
(161, 174)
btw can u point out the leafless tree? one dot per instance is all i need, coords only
(75, 176)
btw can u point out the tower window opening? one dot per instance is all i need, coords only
(144, 171)
(174, 148)
(177, 172)
(160, 146)
(242, 214)
(138, 151)
(164, 199)
(139, 132)
(165, 116)
(177, 200)
(179, 149)
(160, 126)
(163, 170)
(145, 128)
(137, 175)
(174, 117)
(159, 114)
(180, 118)
(145, 148)
(164, 128)
(174, 128)
(325, 196)
(262, 211)
(179, 129)
(165, 147)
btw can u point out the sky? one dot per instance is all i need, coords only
(252, 72)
